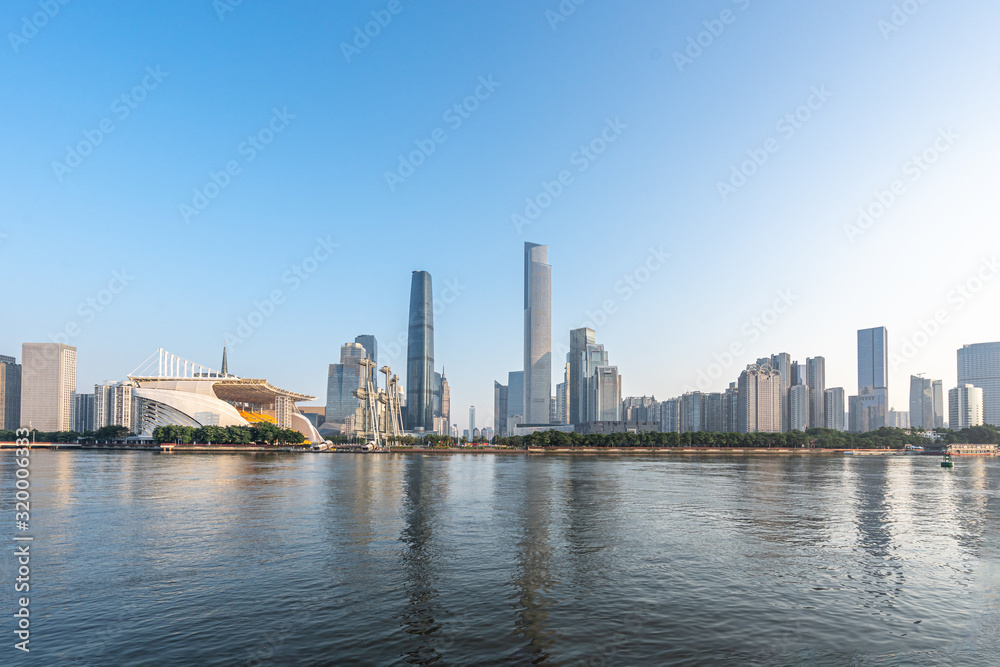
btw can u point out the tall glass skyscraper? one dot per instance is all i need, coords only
(579, 339)
(10, 393)
(537, 334)
(342, 381)
(979, 365)
(420, 355)
(368, 342)
(873, 378)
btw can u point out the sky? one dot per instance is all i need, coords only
(709, 177)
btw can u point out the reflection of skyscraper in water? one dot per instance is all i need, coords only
(421, 618)
(533, 578)
(420, 355)
(873, 518)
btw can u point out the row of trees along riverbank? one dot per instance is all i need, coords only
(883, 438)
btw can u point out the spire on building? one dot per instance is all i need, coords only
(225, 366)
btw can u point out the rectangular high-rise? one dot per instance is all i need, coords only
(979, 365)
(816, 381)
(343, 380)
(782, 362)
(48, 386)
(579, 339)
(833, 408)
(965, 407)
(670, 415)
(10, 393)
(113, 405)
(606, 394)
(759, 400)
(926, 403)
(873, 375)
(84, 413)
(798, 407)
(500, 409)
(537, 333)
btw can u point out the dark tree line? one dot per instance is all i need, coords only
(885, 437)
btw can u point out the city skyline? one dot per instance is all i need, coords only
(640, 234)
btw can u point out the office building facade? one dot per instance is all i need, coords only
(799, 403)
(10, 393)
(420, 355)
(873, 376)
(816, 381)
(343, 380)
(965, 407)
(979, 365)
(48, 386)
(833, 409)
(500, 409)
(537, 333)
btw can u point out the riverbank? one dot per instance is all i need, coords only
(230, 449)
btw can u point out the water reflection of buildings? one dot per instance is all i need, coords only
(783, 500)
(595, 515)
(533, 579)
(421, 618)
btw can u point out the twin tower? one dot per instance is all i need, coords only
(537, 343)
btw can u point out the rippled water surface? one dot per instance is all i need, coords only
(187, 559)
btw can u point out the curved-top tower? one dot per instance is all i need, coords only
(537, 333)
(420, 355)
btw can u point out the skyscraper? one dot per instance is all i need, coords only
(670, 417)
(342, 381)
(922, 413)
(782, 362)
(113, 405)
(420, 355)
(48, 386)
(472, 419)
(10, 393)
(798, 407)
(579, 339)
(759, 400)
(833, 408)
(873, 378)
(937, 388)
(368, 342)
(816, 380)
(979, 365)
(500, 409)
(606, 393)
(84, 413)
(515, 400)
(443, 419)
(537, 333)
(691, 417)
(965, 407)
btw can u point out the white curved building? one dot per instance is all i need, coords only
(173, 391)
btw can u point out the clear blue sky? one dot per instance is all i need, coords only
(885, 96)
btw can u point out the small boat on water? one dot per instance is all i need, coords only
(913, 449)
(849, 452)
(947, 462)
